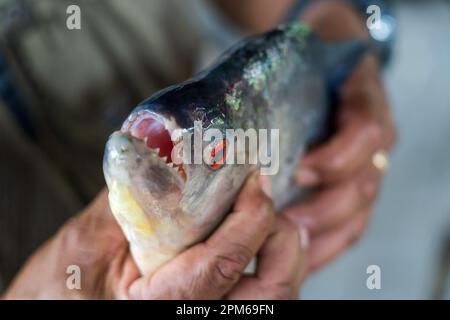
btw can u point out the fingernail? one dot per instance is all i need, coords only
(304, 237)
(307, 177)
(266, 185)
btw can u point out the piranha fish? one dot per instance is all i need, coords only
(284, 79)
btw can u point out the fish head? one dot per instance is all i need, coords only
(147, 159)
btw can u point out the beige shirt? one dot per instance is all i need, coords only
(77, 86)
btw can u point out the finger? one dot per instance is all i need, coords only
(210, 269)
(364, 90)
(363, 104)
(348, 151)
(282, 263)
(326, 247)
(333, 205)
(365, 94)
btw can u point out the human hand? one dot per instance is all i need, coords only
(209, 270)
(213, 269)
(342, 170)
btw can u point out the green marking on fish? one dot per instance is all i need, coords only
(300, 31)
(218, 121)
(233, 101)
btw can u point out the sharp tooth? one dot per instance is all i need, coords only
(170, 165)
(164, 158)
(145, 140)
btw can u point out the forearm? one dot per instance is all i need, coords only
(254, 16)
(331, 19)
(335, 20)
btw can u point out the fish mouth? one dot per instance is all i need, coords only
(156, 134)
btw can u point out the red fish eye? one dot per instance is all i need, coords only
(146, 126)
(220, 148)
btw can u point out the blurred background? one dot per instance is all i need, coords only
(62, 92)
(409, 236)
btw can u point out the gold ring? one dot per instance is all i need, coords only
(380, 160)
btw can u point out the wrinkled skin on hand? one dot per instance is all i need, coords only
(211, 269)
